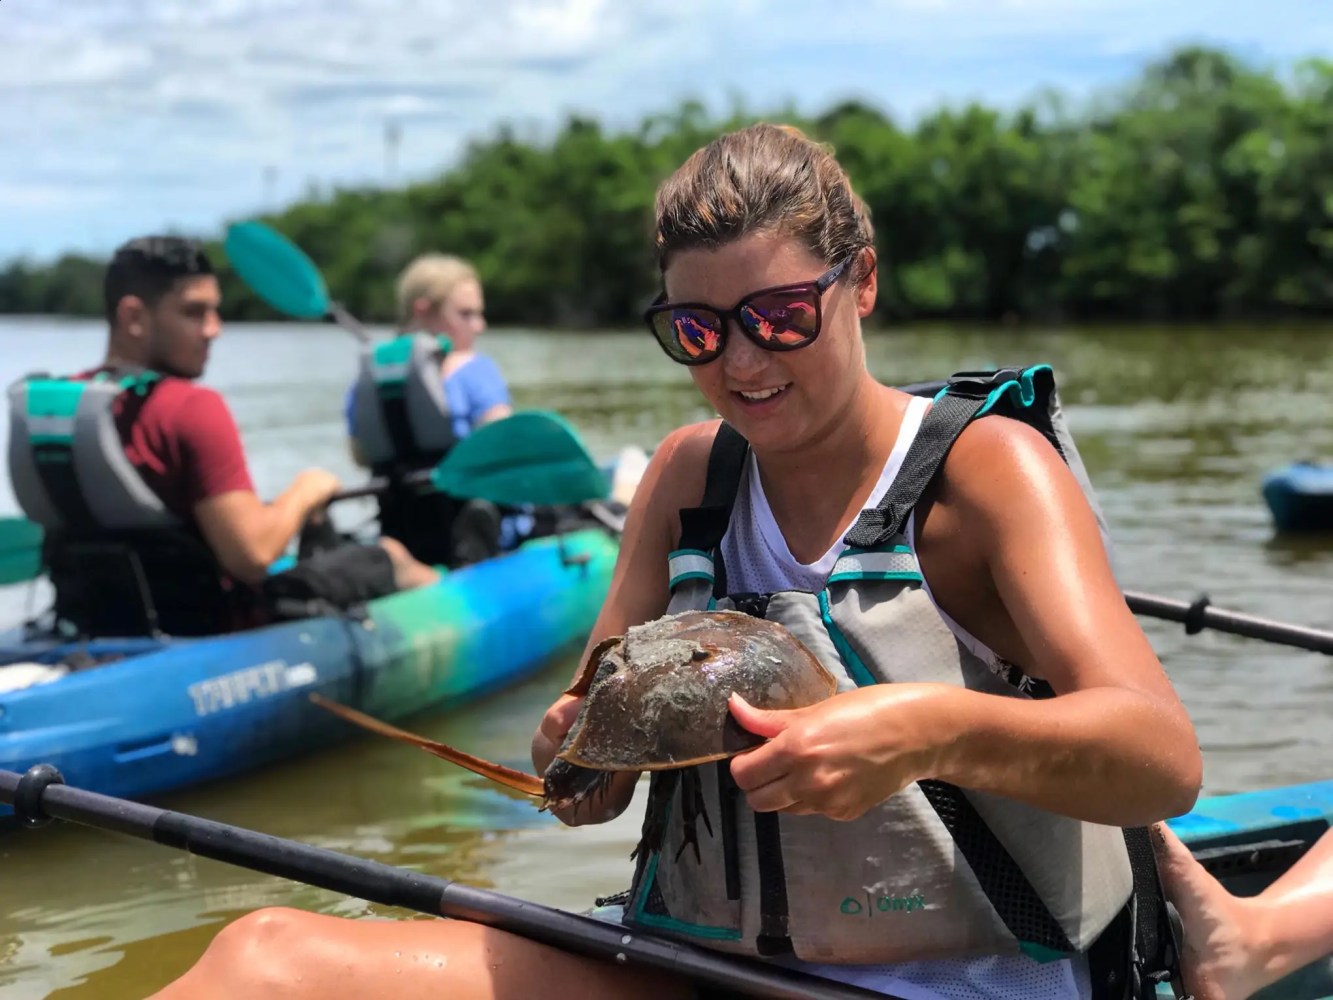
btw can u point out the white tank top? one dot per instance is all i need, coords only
(758, 561)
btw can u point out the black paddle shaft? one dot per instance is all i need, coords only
(380, 484)
(41, 795)
(1200, 615)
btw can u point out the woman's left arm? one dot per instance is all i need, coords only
(1114, 746)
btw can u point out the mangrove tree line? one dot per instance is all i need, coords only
(1202, 189)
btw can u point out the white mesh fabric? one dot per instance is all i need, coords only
(754, 551)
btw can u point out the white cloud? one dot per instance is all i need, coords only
(123, 115)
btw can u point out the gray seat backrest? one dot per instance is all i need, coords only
(66, 459)
(400, 412)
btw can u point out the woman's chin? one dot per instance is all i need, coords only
(771, 424)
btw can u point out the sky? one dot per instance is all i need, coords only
(123, 117)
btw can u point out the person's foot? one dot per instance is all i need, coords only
(1221, 957)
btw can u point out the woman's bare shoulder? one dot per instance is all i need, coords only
(675, 475)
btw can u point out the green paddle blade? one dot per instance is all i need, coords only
(20, 550)
(277, 270)
(534, 457)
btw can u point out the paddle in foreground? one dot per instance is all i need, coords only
(657, 700)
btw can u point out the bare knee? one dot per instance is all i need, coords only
(263, 947)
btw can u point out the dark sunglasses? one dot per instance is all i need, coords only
(785, 318)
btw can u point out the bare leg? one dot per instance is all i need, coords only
(290, 954)
(1235, 946)
(408, 573)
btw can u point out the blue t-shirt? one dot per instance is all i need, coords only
(469, 391)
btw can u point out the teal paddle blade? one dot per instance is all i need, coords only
(533, 457)
(277, 270)
(20, 550)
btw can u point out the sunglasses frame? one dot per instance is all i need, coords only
(818, 285)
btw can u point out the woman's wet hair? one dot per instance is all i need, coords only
(432, 276)
(149, 267)
(762, 179)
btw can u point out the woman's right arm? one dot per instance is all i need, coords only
(638, 593)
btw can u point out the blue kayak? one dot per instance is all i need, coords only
(1301, 497)
(135, 717)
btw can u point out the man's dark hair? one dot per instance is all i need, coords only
(148, 267)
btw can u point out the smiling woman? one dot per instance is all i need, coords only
(975, 609)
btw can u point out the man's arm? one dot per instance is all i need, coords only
(245, 534)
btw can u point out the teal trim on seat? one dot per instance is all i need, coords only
(393, 352)
(53, 401)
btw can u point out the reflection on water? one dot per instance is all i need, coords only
(1176, 427)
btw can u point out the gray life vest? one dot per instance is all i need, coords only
(935, 870)
(66, 459)
(120, 562)
(400, 415)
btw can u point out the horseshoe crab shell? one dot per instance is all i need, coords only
(657, 696)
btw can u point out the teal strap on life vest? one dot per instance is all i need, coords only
(896, 562)
(689, 564)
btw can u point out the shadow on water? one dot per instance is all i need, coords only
(1286, 551)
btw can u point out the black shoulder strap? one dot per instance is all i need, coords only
(702, 527)
(965, 396)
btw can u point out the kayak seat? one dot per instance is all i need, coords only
(138, 584)
(402, 426)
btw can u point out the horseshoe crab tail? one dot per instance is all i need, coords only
(528, 784)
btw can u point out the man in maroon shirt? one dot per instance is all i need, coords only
(162, 301)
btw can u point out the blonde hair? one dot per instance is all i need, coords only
(432, 276)
(764, 178)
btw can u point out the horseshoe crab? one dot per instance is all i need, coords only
(656, 700)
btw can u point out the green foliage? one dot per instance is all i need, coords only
(1203, 189)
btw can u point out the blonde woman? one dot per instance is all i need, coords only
(441, 294)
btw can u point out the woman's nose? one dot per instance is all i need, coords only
(741, 355)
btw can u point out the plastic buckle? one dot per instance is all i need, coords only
(980, 384)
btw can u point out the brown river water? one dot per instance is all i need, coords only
(1176, 426)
